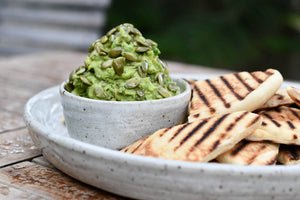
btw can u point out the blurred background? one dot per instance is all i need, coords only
(236, 35)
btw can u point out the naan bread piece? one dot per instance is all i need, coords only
(280, 125)
(202, 140)
(294, 93)
(280, 98)
(233, 92)
(289, 154)
(132, 148)
(251, 153)
(191, 82)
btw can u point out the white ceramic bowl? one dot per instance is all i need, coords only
(145, 177)
(116, 124)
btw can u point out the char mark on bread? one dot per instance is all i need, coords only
(203, 98)
(238, 96)
(216, 91)
(239, 147)
(237, 75)
(190, 134)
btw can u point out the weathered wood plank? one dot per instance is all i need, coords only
(54, 37)
(89, 19)
(22, 78)
(10, 193)
(16, 146)
(47, 68)
(10, 121)
(50, 183)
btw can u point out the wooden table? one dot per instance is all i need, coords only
(24, 173)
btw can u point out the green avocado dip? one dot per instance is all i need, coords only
(123, 66)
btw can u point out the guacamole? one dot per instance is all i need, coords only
(122, 66)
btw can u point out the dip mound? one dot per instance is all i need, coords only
(123, 66)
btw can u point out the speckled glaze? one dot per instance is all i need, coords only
(115, 124)
(146, 177)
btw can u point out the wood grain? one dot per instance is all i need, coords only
(9, 192)
(49, 183)
(16, 146)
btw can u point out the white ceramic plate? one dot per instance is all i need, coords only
(146, 177)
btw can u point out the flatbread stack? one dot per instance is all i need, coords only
(242, 118)
(251, 153)
(280, 125)
(233, 92)
(201, 140)
(280, 98)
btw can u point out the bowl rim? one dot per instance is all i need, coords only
(186, 92)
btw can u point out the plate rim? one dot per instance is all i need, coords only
(95, 151)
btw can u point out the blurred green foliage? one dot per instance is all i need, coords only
(238, 35)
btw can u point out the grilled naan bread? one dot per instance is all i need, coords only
(289, 154)
(251, 153)
(233, 92)
(201, 140)
(294, 93)
(191, 82)
(280, 125)
(280, 98)
(131, 148)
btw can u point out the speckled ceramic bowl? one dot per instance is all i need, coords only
(115, 124)
(144, 177)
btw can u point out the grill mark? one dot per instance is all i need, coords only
(238, 119)
(291, 125)
(216, 91)
(276, 123)
(252, 159)
(197, 115)
(203, 98)
(295, 137)
(295, 114)
(231, 88)
(256, 78)
(272, 120)
(264, 123)
(217, 142)
(250, 89)
(164, 131)
(254, 121)
(240, 146)
(215, 145)
(138, 147)
(279, 97)
(272, 161)
(190, 134)
(210, 130)
(178, 131)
